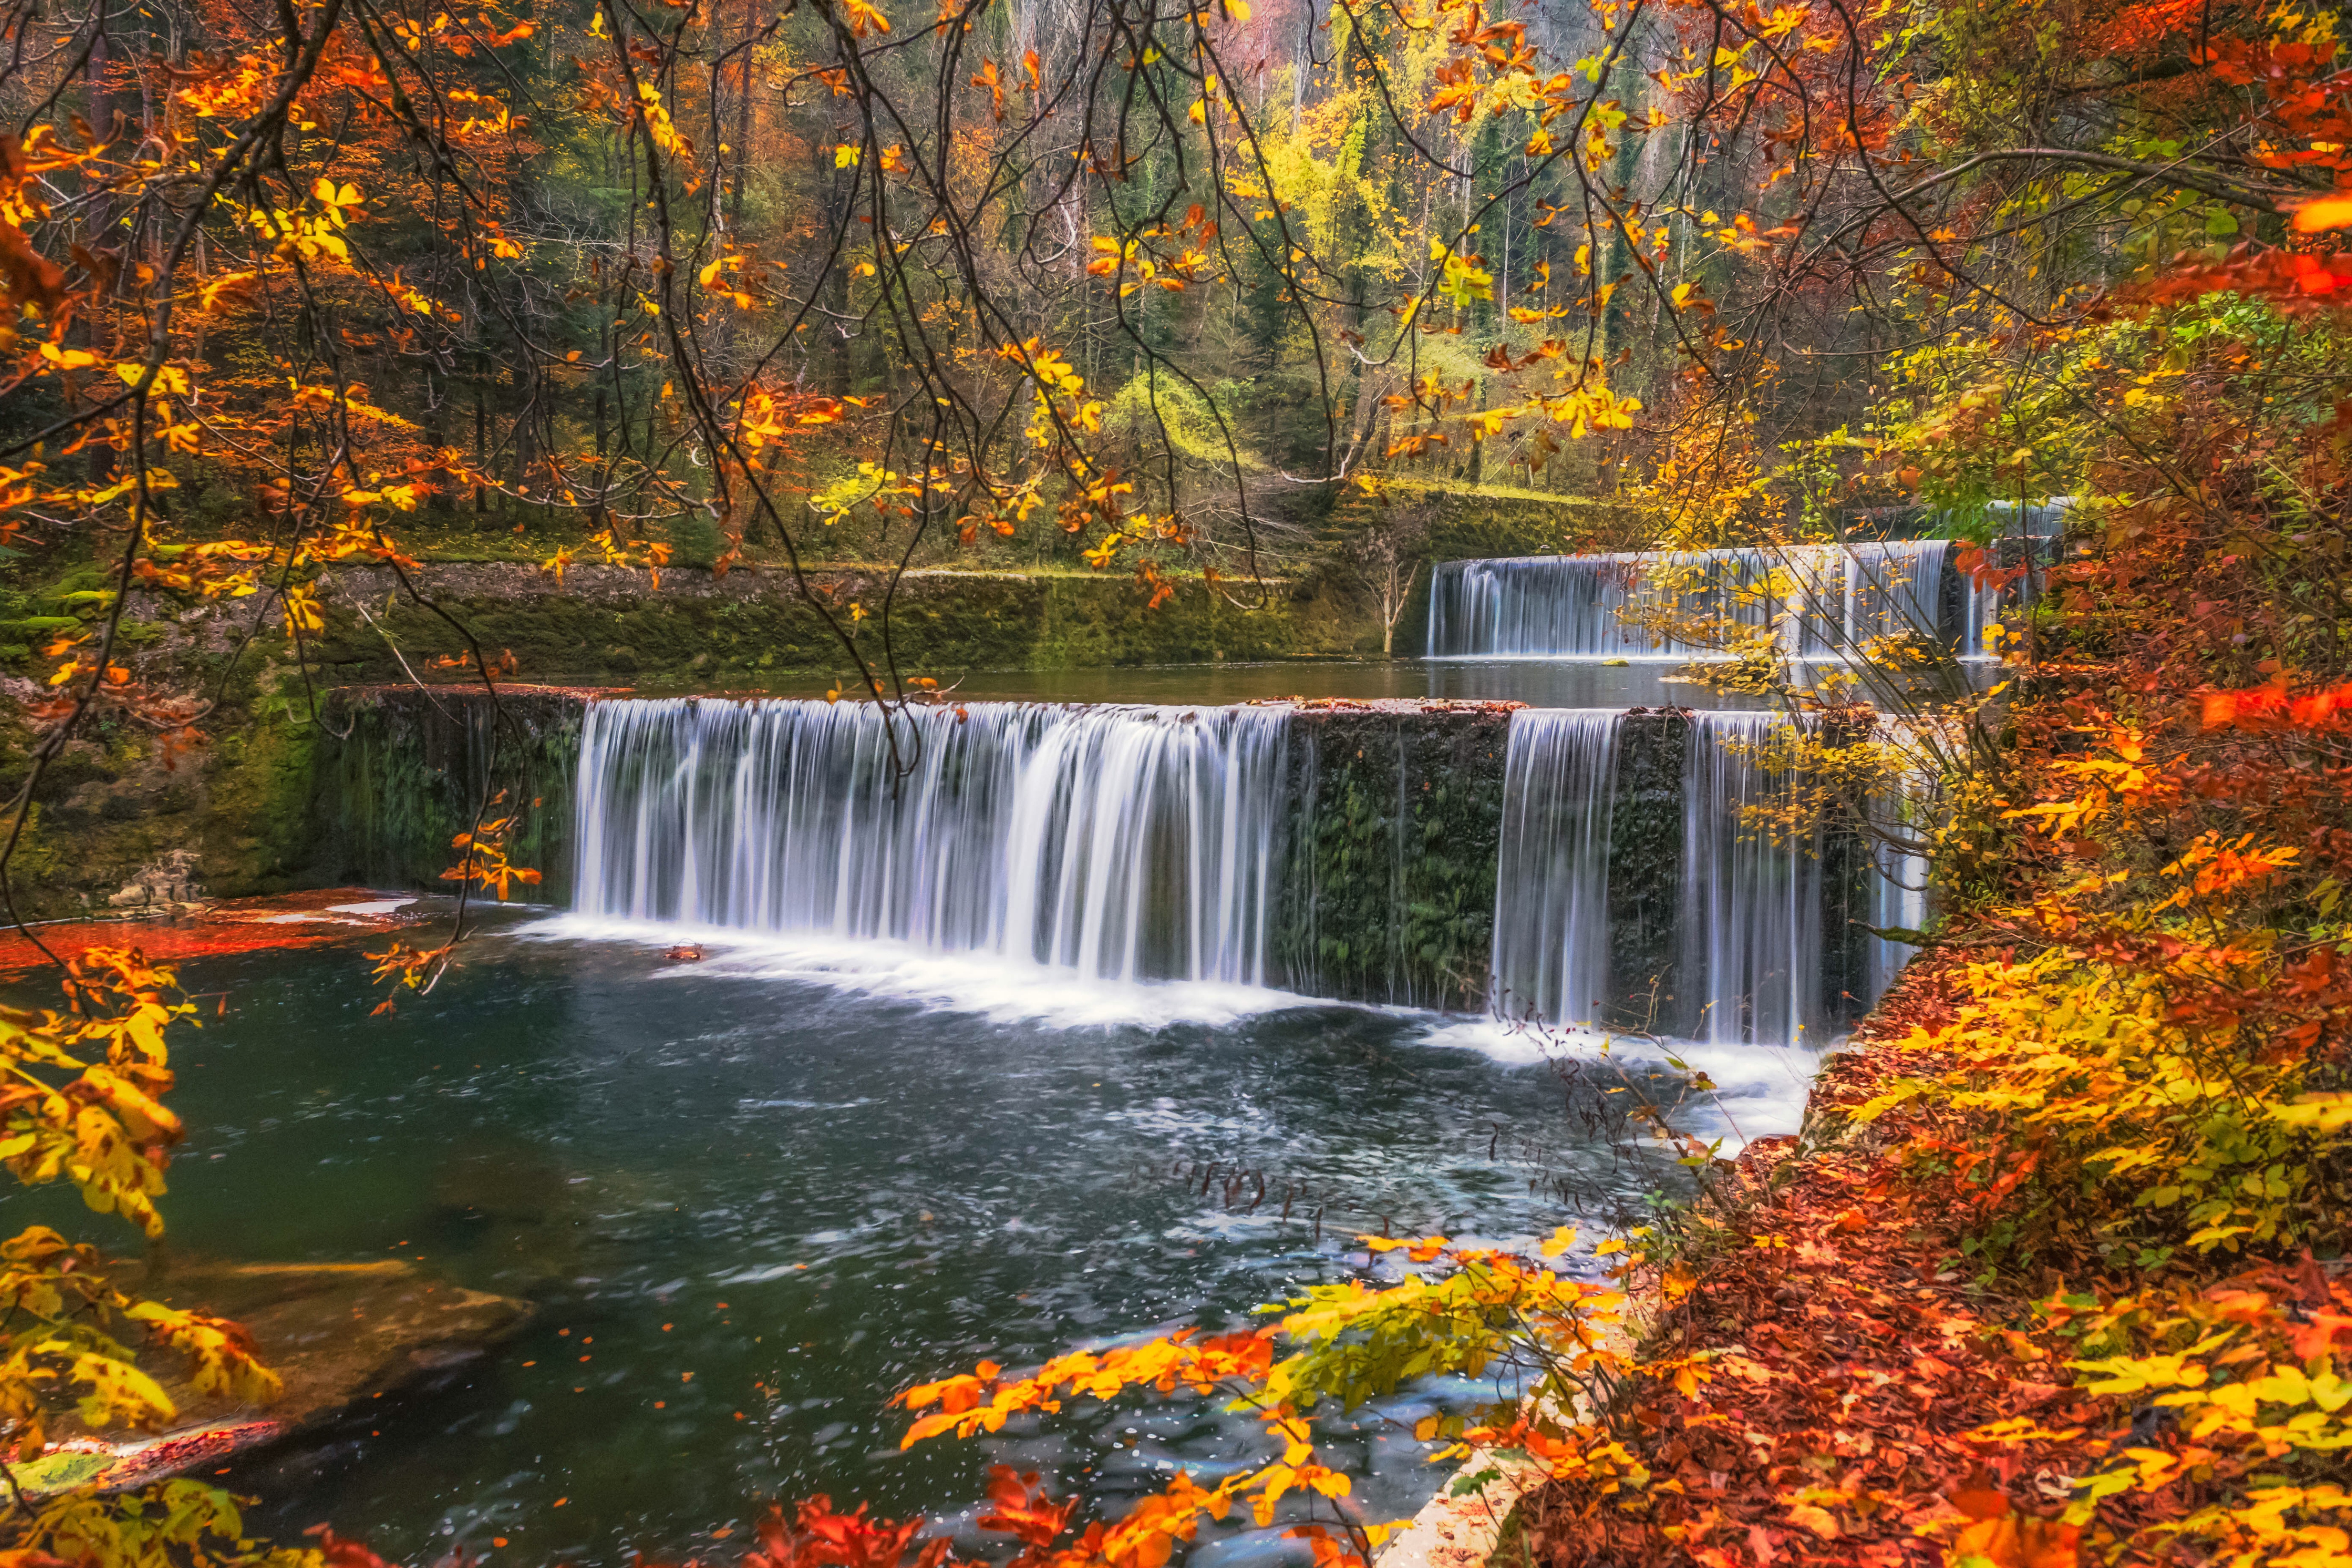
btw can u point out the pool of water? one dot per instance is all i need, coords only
(754, 1196)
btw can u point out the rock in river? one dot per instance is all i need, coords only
(339, 1334)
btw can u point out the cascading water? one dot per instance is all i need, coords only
(2022, 537)
(1899, 902)
(1746, 958)
(1822, 601)
(1550, 956)
(1113, 843)
(1140, 843)
(1751, 935)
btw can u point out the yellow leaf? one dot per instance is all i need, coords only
(2330, 1112)
(2327, 212)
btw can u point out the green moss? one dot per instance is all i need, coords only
(1396, 817)
(1849, 908)
(114, 802)
(403, 772)
(938, 625)
(1645, 874)
(258, 831)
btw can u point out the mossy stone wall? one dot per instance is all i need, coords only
(403, 772)
(611, 627)
(116, 803)
(1646, 844)
(1395, 821)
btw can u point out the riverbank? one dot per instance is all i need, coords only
(1852, 1354)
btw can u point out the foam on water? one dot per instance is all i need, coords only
(1759, 1089)
(989, 984)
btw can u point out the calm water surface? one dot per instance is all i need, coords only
(809, 1178)
(1542, 683)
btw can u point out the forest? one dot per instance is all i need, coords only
(1781, 574)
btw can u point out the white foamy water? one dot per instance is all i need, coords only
(988, 984)
(1759, 1090)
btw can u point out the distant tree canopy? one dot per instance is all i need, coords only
(1130, 285)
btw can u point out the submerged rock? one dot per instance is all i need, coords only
(338, 1335)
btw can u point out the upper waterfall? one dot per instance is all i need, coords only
(1114, 843)
(1819, 600)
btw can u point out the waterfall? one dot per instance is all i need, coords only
(1131, 844)
(1899, 889)
(1551, 885)
(1112, 843)
(1819, 600)
(1743, 959)
(1897, 880)
(1751, 933)
(2027, 536)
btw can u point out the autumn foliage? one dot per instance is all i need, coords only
(2056, 1273)
(82, 1102)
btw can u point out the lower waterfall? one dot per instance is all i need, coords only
(1114, 843)
(1632, 886)
(1743, 960)
(1550, 957)
(1751, 897)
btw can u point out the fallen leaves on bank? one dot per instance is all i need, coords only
(1831, 1380)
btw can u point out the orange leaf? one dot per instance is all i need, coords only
(2016, 1541)
(1978, 1499)
(31, 278)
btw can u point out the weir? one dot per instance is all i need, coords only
(1816, 600)
(1114, 843)
(1592, 866)
(1295, 848)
